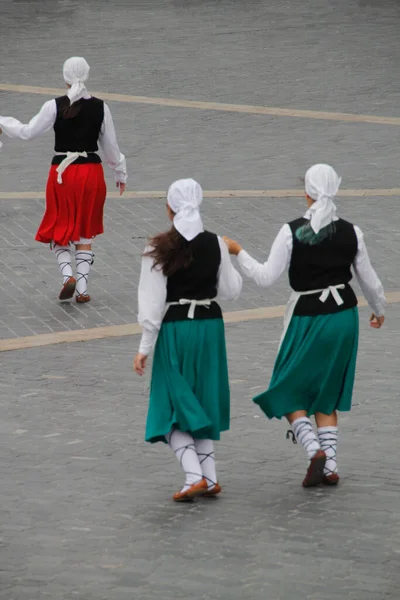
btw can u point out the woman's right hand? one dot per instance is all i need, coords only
(376, 322)
(233, 246)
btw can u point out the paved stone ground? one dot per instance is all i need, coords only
(31, 281)
(313, 55)
(85, 504)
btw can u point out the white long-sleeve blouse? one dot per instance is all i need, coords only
(45, 120)
(152, 294)
(278, 262)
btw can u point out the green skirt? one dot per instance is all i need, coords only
(315, 366)
(189, 385)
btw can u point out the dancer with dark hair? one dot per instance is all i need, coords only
(76, 190)
(315, 367)
(183, 271)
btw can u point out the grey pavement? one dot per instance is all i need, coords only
(85, 503)
(31, 281)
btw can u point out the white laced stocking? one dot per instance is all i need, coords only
(64, 259)
(184, 449)
(328, 439)
(84, 260)
(304, 434)
(205, 452)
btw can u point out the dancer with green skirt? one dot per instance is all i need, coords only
(315, 367)
(183, 271)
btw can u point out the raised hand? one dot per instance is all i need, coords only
(233, 247)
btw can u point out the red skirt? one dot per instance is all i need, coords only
(74, 208)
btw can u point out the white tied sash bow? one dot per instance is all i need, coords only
(68, 160)
(332, 289)
(192, 303)
(291, 305)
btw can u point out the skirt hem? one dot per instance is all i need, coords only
(310, 413)
(198, 434)
(61, 242)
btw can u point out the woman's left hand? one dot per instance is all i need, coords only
(121, 187)
(233, 247)
(139, 364)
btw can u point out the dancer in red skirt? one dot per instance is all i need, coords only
(76, 190)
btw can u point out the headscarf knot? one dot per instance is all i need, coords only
(75, 72)
(322, 184)
(185, 197)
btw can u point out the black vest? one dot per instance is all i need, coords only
(198, 282)
(80, 133)
(318, 266)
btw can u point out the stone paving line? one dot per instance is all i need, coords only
(221, 150)
(251, 53)
(85, 503)
(98, 333)
(201, 105)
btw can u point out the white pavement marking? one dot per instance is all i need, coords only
(200, 105)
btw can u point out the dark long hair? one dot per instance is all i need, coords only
(170, 251)
(69, 111)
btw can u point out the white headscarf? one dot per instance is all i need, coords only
(322, 184)
(184, 197)
(75, 72)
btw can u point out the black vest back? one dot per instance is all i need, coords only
(80, 133)
(318, 266)
(197, 282)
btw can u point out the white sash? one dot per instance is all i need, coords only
(291, 305)
(193, 304)
(68, 160)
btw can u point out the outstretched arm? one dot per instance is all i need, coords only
(266, 274)
(108, 143)
(39, 124)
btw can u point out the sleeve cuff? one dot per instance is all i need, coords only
(379, 311)
(120, 177)
(148, 342)
(245, 262)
